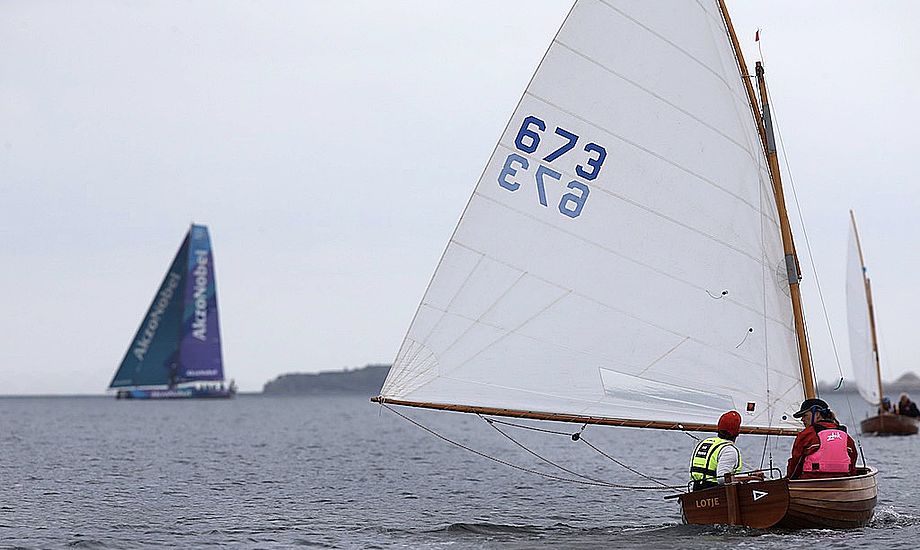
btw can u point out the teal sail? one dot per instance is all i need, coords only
(178, 340)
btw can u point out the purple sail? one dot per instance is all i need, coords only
(199, 346)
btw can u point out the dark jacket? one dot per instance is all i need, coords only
(909, 410)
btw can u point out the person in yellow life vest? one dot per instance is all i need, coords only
(716, 456)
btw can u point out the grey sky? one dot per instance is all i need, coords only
(331, 146)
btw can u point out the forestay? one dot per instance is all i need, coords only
(620, 256)
(862, 354)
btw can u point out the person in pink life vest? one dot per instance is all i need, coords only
(823, 448)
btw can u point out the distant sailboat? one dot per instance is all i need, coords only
(176, 351)
(864, 344)
(626, 258)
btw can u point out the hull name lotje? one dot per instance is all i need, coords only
(710, 502)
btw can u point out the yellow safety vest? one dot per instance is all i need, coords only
(705, 461)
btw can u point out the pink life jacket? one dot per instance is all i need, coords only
(831, 456)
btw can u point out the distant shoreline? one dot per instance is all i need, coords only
(366, 380)
(369, 379)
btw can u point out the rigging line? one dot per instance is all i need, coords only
(811, 258)
(766, 329)
(638, 473)
(763, 455)
(525, 427)
(688, 434)
(814, 269)
(534, 453)
(574, 438)
(492, 458)
(849, 407)
(517, 467)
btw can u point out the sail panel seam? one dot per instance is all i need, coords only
(610, 251)
(655, 95)
(644, 149)
(672, 44)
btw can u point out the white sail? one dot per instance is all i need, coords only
(862, 353)
(586, 275)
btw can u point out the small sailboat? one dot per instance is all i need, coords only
(626, 258)
(864, 344)
(176, 351)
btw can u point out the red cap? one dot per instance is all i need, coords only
(730, 423)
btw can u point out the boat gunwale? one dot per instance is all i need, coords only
(870, 473)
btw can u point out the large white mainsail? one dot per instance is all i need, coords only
(620, 257)
(862, 347)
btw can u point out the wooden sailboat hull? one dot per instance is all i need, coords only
(759, 505)
(889, 424)
(835, 503)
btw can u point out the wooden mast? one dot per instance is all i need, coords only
(765, 129)
(862, 265)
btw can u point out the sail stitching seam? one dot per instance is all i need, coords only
(672, 44)
(644, 149)
(449, 303)
(660, 98)
(613, 252)
(473, 322)
(507, 332)
(674, 381)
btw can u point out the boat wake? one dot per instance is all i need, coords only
(497, 529)
(887, 517)
(492, 529)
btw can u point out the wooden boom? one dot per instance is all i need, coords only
(579, 419)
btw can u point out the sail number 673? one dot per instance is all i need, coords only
(528, 140)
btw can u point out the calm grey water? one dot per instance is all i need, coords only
(340, 472)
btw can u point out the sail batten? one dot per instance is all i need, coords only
(620, 257)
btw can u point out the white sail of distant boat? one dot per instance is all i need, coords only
(863, 348)
(864, 357)
(620, 259)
